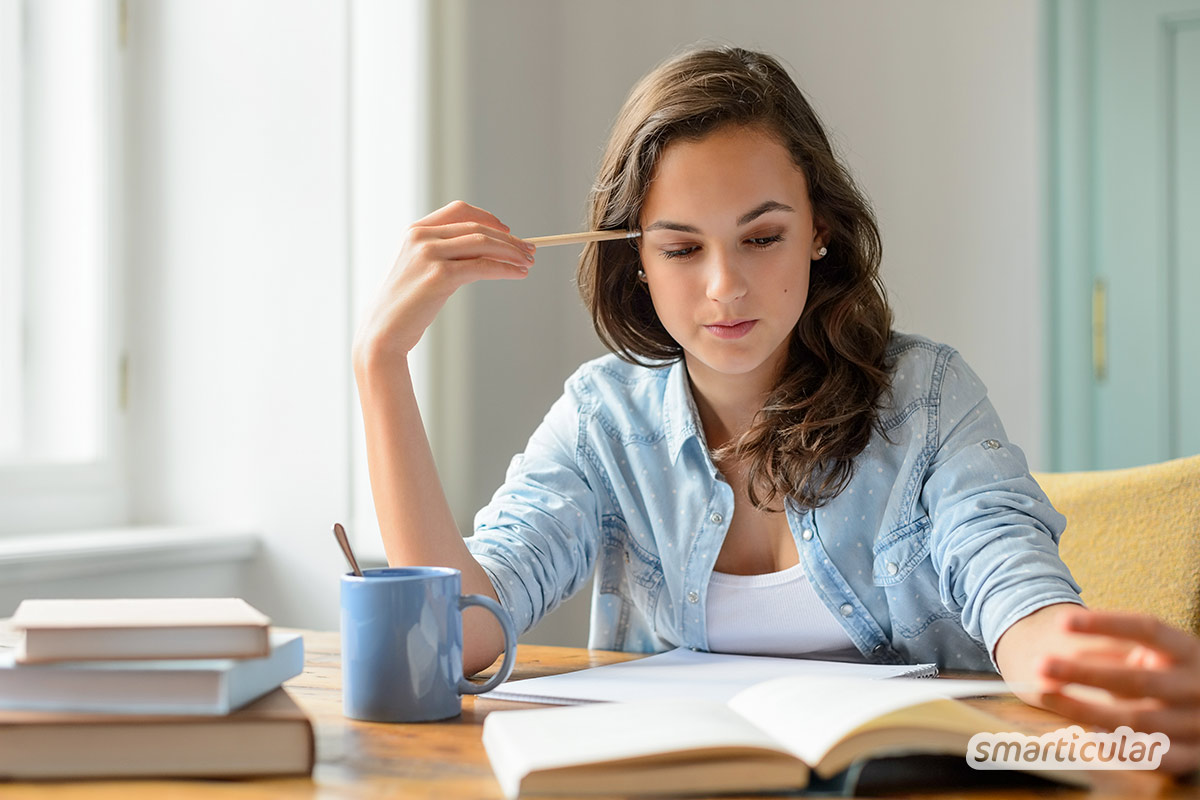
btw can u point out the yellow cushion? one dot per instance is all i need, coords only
(1133, 537)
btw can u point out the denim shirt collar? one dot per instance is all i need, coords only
(681, 419)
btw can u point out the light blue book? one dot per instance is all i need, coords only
(164, 686)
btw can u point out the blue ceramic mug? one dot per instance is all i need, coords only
(402, 644)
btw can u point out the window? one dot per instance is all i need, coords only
(59, 338)
(62, 335)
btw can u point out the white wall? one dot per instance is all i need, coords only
(240, 301)
(936, 106)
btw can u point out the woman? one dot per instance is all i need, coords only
(763, 466)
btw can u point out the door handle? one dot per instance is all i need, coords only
(1099, 329)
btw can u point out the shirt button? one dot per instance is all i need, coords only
(806, 535)
(877, 648)
(892, 568)
(693, 597)
(715, 518)
(846, 609)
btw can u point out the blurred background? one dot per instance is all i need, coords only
(197, 200)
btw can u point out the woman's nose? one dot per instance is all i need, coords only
(725, 281)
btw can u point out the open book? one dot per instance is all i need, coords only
(772, 736)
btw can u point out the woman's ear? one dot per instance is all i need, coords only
(821, 236)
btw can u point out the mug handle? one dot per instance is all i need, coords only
(510, 644)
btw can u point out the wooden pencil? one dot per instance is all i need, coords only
(578, 238)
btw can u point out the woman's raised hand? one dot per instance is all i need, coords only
(455, 245)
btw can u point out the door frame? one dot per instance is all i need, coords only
(1071, 149)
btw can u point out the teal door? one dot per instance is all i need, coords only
(1125, 165)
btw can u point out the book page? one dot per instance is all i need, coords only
(809, 716)
(10, 637)
(682, 673)
(520, 742)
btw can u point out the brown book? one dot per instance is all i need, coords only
(271, 736)
(162, 627)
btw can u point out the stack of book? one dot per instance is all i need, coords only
(165, 687)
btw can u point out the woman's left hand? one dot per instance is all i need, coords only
(1148, 671)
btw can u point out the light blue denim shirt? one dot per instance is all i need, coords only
(939, 543)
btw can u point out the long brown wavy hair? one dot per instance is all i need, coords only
(824, 408)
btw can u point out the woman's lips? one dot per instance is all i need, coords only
(731, 330)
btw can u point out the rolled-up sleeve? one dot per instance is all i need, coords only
(538, 537)
(994, 539)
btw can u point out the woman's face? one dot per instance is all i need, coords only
(727, 239)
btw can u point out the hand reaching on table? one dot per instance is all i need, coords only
(1148, 671)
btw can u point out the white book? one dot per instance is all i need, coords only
(161, 686)
(160, 627)
(687, 675)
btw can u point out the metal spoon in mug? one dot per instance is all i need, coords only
(339, 533)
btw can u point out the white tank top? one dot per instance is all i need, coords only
(774, 614)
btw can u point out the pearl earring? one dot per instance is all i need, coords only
(821, 253)
(641, 275)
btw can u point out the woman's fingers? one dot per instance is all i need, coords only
(1140, 628)
(1182, 756)
(464, 271)
(468, 240)
(1179, 724)
(458, 211)
(453, 246)
(449, 263)
(1169, 685)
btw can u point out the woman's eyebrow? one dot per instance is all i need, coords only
(664, 224)
(762, 208)
(745, 219)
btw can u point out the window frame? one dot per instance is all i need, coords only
(11, 216)
(44, 496)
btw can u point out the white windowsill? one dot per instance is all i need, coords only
(49, 556)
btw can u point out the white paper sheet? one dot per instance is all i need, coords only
(686, 674)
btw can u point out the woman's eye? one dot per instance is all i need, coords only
(683, 252)
(761, 242)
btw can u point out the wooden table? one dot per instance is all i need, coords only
(446, 760)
